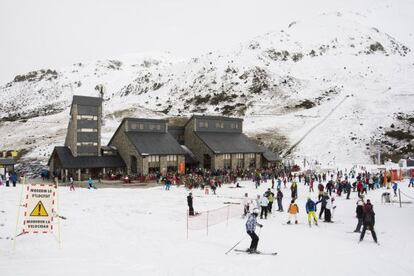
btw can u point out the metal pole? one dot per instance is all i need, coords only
(18, 212)
(228, 211)
(399, 195)
(207, 223)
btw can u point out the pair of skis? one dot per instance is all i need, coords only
(239, 251)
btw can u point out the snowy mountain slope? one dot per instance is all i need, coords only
(285, 81)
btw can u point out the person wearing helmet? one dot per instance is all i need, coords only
(311, 211)
(250, 228)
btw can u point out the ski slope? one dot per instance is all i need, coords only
(130, 231)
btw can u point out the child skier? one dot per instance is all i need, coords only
(395, 188)
(250, 228)
(311, 211)
(293, 210)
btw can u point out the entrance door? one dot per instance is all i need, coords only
(134, 164)
(207, 161)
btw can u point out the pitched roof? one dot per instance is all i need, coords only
(154, 143)
(224, 142)
(84, 100)
(189, 156)
(7, 161)
(68, 161)
(271, 156)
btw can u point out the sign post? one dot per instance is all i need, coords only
(40, 208)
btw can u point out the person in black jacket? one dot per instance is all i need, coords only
(323, 202)
(359, 215)
(190, 204)
(368, 221)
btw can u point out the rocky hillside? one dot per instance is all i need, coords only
(323, 86)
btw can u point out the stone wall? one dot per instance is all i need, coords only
(126, 149)
(197, 147)
(258, 160)
(218, 161)
(71, 135)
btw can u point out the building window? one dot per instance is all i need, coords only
(153, 161)
(239, 160)
(141, 126)
(87, 117)
(152, 127)
(252, 159)
(133, 126)
(171, 158)
(234, 125)
(87, 130)
(203, 124)
(87, 144)
(153, 158)
(219, 125)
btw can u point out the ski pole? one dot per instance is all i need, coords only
(235, 245)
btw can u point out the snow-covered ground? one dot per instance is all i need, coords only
(143, 232)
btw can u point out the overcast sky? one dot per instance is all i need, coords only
(38, 34)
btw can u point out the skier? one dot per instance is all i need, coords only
(72, 187)
(395, 188)
(250, 228)
(368, 221)
(329, 209)
(264, 203)
(246, 204)
(360, 188)
(279, 183)
(330, 186)
(293, 210)
(13, 179)
(311, 184)
(90, 183)
(7, 178)
(270, 198)
(190, 204)
(320, 191)
(294, 190)
(279, 197)
(359, 215)
(323, 201)
(411, 183)
(311, 211)
(348, 188)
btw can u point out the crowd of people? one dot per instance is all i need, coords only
(328, 185)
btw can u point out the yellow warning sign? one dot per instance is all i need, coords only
(39, 210)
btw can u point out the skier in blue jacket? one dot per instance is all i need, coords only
(250, 228)
(311, 211)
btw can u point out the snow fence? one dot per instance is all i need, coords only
(206, 219)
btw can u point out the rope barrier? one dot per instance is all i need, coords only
(406, 195)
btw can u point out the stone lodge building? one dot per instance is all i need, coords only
(146, 146)
(218, 142)
(83, 156)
